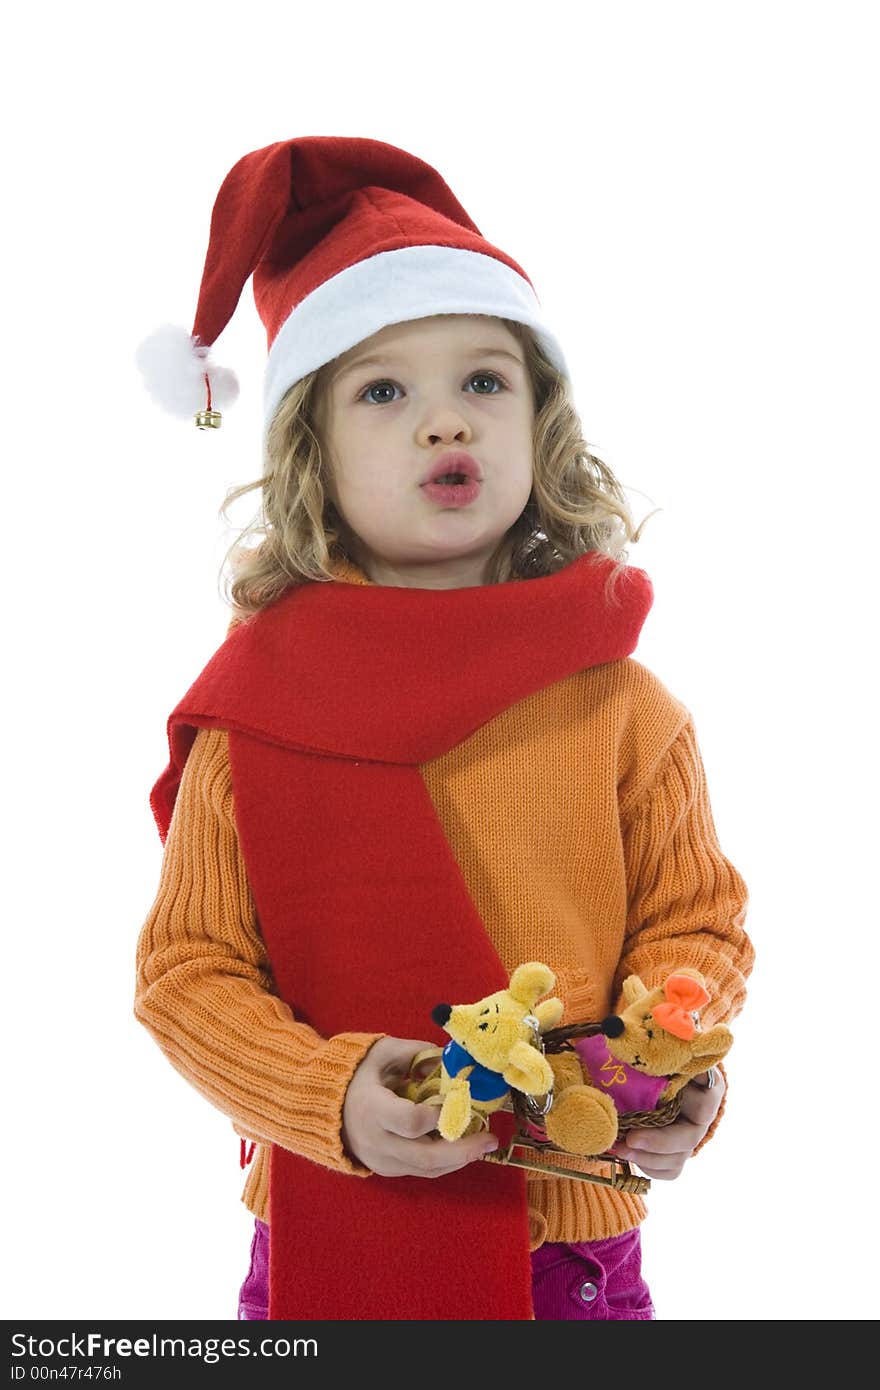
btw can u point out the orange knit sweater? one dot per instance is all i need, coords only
(581, 822)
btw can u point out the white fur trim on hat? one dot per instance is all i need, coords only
(393, 287)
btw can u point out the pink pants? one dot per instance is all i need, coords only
(599, 1279)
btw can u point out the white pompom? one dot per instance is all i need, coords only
(174, 364)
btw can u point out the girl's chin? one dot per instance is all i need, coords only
(433, 559)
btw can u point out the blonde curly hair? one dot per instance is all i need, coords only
(576, 504)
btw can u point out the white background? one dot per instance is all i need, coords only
(692, 188)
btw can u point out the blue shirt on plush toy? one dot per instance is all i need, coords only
(484, 1084)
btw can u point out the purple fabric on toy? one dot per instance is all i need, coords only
(599, 1279)
(628, 1088)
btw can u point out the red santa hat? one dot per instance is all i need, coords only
(343, 236)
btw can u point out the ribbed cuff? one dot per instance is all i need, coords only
(303, 1110)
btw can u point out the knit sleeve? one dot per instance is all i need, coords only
(687, 902)
(204, 989)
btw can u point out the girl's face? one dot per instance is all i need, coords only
(432, 386)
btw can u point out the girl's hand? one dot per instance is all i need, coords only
(663, 1152)
(392, 1136)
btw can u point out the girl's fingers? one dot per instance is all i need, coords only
(677, 1138)
(392, 1058)
(429, 1157)
(445, 1156)
(663, 1152)
(399, 1116)
(412, 1137)
(700, 1103)
(656, 1165)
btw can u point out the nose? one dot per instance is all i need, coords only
(443, 425)
(612, 1026)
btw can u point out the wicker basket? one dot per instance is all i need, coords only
(527, 1150)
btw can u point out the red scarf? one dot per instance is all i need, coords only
(332, 696)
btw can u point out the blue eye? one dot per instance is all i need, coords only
(366, 394)
(487, 376)
(376, 385)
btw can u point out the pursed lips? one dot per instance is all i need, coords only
(454, 465)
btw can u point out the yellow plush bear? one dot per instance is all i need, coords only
(592, 1082)
(495, 1048)
(630, 1071)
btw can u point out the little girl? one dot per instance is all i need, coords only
(423, 755)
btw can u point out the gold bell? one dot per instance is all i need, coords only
(208, 419)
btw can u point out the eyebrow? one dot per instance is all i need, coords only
(380, 359)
